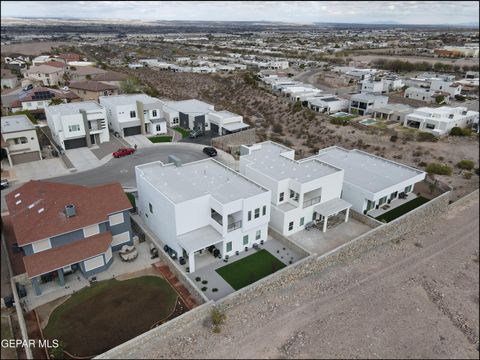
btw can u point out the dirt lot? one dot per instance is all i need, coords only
(306, 131)
(414, 59)
(35, 48)
(414, 298)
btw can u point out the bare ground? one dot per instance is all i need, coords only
(307, 131)
(33, 48)
(413, 298)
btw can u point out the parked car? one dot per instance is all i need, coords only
(28, 87)
(210, 151)
(196, 133)
(123, 152)
(4, 184)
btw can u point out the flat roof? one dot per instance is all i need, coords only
(127, 99)
(224, 114)
(199, 239)
(268, 160)
(367, 171)
(332, 207)
(193, 180)
(192, 106)
(235, 126)
(73, 108)
(16, 123)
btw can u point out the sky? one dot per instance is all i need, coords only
(302, 12)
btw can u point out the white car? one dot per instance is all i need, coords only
(4, 184)
(65, 88)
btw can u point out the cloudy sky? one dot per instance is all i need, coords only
(405, 12)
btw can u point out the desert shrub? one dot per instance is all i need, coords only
(394, 138)
(422, 164)
(466, 164)
(277, 128)
(297, 107)
(458, 131)
(218, 318)
(426, 136)
(467, 175)
(439, 169)
(339, 121)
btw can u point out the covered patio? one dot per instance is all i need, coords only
(330, 208)
(196, 242)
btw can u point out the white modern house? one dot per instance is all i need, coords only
(191, 114)
(426, 94)
(302, 191)
(384, 85)
(19, 139)
(134, 114)
(362, 103)
(225, 122)
(394, 112)
(440, 121)
(193, 206)
(327, 103)
(370, 181)
(77, 124)
(446, 86)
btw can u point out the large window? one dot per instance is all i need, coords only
(258, 235)
(249, 215)
(290, 226)
(281, 196)
(133, 114)
(159, 127)
(73, 128)
(257, 213)
(154, 113)
(264, 210)
(229, 246)
(302, 221)
(245, 240)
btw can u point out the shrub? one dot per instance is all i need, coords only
(466, 164)
(197, 278)
(204, 282)
(393, 138)
(158, 139)
(467, 175)
(204, 288)
(439, 169)
(426, 136)
(297, 107)
(277, 128)
(457, 131)
(218, 317)
(422, 164)
(339, 121)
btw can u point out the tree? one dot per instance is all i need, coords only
(130, 86)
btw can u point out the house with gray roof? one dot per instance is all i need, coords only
(19, 140)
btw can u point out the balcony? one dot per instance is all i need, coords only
(234, 226)
(312, 201)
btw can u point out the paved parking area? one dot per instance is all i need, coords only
(82, 158)
(107, 149)
(140, 140)
(202, 140)
(36, 170)
(214, 280)
(316, 241)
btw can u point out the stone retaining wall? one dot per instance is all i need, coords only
(367, 220)
(174, 267)
(231, 143)
(312, 264)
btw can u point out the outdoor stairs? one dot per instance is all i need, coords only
(178, 286)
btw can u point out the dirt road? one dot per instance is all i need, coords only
(417, 298)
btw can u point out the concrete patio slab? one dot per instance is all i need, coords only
(387, 207)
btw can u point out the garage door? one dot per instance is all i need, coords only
(75, 143)
(134, 130)
(25, 157)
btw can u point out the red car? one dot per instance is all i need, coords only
(123, 152)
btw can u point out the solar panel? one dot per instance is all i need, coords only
(42, 95)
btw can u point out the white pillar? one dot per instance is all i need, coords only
(191, 262)
(346, 214)
(325, 219)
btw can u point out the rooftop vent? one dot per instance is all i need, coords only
(175, 160)
(70, 210)
(40, 210)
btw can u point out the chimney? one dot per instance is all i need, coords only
(70, 210)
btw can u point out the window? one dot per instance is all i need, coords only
(21, 140)
(314, 216)
(116, 219)
(292, 194)
(133, 114)
(73, 128)
(159, 127)
(150, 207)
(229, 246)
(257, 213)
(430, 126)
(245, 239)
(302, 220)
(175, 120)
(105, 93)
(281, 196)
(154, 113)
(408, 189)
(91, 230)
(249, 215)
(290, 225)
(264, 210)
(258, 235)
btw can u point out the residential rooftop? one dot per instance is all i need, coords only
(268, 158)
(128, 99)
(16, 123)
(192, 106)
(91, 86)
(73, 108)
(197, 179)
(365, 170)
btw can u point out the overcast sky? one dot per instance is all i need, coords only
(405, 12)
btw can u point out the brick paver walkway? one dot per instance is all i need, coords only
(179, 287)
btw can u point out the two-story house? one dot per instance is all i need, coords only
(192, 114)
(77, 124)
(302, 191)
(193, 206)
(363, 103)
(134, 114)
(45, 75)
(19, 139)
(64, 229)
(92, 90)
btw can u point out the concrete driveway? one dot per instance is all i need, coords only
(83, 158)
(43, 169)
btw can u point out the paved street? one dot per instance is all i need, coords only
(123, 169)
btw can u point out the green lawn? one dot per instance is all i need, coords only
(182, 131)
(250, 269)
(402, 209)
(131, 197)
(160, 138)
(109, 313)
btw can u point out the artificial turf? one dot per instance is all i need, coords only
(161, 138)
(182, 131)
(246, 271)
(402, 209)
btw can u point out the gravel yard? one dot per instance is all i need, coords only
(414, 298)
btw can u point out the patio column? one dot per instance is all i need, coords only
(347, 212)
(36, 286)
(325, 219)
(191, 261)
(61, 278)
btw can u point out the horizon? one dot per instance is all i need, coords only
(444, 13)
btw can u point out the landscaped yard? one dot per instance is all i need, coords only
(182, 131)
(250, 269)
(160, 138)
(402, 209)
(109, 313)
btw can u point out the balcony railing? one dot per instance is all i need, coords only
(312, 201)
(234, 226)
